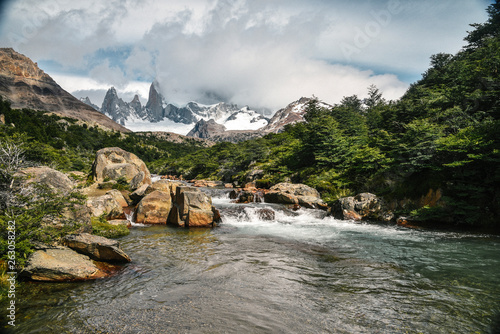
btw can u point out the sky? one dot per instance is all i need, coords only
(261, 53)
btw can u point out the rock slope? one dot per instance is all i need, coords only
(25, 85)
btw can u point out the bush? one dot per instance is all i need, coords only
(104, 229)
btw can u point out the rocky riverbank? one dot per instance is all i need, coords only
(120, 184)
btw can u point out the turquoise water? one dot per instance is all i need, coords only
(299, 273)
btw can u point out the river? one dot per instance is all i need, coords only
(300, 272)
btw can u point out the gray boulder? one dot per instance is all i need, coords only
(192, 208)
(364, 206)
(60, 264)
(114, 163)
(154, 208)
(105, 204)
(54, 180)
(301, 194)
(97, 247)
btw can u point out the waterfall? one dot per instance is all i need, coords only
(155, 178)
(130, 216)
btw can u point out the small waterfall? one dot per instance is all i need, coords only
(258, 197)
(155, 178)
(130, 216)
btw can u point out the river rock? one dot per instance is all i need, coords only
(54, 180)
(206, 183)
(360, 207)
(113, 163)
(154, 208)
(106, 204)
(192, 208)
(288, 193)
(266, 214)
(60, 264)
(139, 194)
(118, 196)
(160, 185)
(97, 247)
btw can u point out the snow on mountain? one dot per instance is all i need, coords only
(166, 125)
(293, 113)
(158, 115)
(245, 119)
(87, 101)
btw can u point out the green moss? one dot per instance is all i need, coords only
(104, 229)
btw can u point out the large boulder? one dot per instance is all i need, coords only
(288, 193)
(60, 264)
(114, 163)
(154, 208)
(364, 206)
(160, 185)
(118, 196)
(138, 194)
(97, 247)
(54, 180)
(105, 204)
(192, 208)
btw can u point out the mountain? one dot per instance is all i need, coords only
(206, 129)
(293, 113)
(87, 101)
(25, 85)
(158, 115)
(119, 110)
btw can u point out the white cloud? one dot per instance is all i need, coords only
(96, 90)
(257, 52)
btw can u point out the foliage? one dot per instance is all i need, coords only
(101, 227)
(442, 134)
(65, 145)
(34, 215)
(121, 184)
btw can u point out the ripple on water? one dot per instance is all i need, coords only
(302, 272)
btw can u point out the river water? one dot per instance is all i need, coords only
(296, 272)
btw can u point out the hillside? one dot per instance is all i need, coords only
(25, 85)
(433, 154)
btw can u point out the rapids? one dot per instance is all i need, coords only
(267, 269)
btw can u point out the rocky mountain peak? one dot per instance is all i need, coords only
(87, 101)
(206, 129)
(135, 99)
(25, 85)
(114, 107)
(293, 113)
(155, 102)
(136, 104)
(15, 64)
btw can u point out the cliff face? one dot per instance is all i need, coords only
(25, 85)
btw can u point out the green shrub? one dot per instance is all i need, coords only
(104, 229)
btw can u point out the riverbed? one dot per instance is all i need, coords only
(268, 269)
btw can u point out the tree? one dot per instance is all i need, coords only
(484, 31)
(374, 98)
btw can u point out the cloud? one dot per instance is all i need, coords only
(254, 59)
(256, 52)
(84, 86)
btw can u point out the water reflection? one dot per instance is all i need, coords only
(302, 273)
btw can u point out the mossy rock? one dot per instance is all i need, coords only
(104, 229)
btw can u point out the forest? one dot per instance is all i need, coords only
(442, 134)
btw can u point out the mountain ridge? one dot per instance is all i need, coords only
(25, 85)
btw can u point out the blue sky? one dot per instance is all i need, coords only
(262, 53)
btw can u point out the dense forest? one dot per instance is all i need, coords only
(442, 134)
